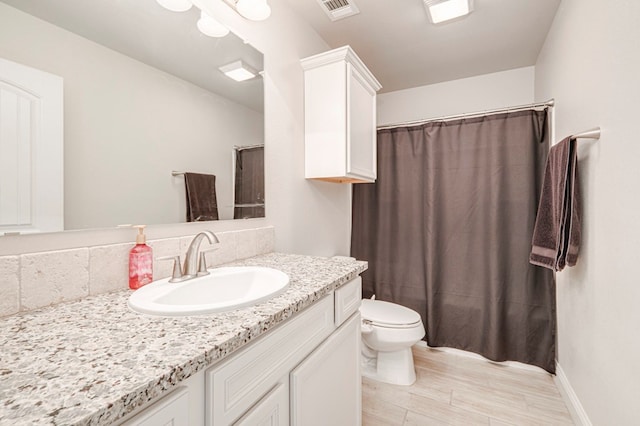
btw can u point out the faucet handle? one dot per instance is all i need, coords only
(177, 275)
(202, 264)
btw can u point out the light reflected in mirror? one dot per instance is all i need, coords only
(143, 96)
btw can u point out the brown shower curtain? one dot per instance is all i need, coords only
(249, 184)
(447, 231)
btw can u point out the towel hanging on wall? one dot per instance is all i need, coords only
(557, 232)
(202, 202)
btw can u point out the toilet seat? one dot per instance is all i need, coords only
(389, 315)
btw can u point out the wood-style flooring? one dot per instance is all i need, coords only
(452, 389)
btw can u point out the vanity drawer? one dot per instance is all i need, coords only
(348, 299)
(172, 409)
(236, 384)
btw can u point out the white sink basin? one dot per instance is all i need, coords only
(224, 289)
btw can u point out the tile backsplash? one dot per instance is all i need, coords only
(34, 280)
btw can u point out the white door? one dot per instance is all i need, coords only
(31, 150)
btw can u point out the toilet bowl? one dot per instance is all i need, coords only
(388, 332)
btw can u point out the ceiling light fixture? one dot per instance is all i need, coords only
(210, 26)
(254, 10)
(446, 10)
(176, 5)
(238, 71)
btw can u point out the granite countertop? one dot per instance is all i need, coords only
(93, 361)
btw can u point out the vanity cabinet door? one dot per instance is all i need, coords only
(326, 386)
(272, 410)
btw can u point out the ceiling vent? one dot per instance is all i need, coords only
(338, 9)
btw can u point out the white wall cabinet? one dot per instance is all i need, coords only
(340, 117)
(289, 376)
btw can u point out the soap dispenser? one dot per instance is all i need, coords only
(140, 261)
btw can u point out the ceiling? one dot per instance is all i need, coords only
(403, 49)
(169, 41)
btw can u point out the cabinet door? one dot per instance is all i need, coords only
(272, 410)
(361, 149)
(238, 383)
(326, 386)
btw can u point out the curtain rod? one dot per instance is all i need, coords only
(548, 103)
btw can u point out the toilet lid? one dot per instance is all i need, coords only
(385, 313)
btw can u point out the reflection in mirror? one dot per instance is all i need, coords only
(143, 96)
(249, 182)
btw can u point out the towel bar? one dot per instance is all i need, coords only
(589, 134)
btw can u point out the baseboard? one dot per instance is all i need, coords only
(574, 406)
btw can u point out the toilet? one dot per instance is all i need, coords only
(388, 332)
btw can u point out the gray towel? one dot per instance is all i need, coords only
(556, 235)
(202, 202)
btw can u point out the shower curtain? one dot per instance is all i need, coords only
(249, 183)
(447, 232)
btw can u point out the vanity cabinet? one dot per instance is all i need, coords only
(340, 117)
(238, 383)
(293, 373)
(289, 376)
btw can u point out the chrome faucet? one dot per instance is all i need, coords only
(193, 267)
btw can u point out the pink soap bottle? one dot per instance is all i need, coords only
(140, 261)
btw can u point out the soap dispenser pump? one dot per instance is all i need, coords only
(140, 261)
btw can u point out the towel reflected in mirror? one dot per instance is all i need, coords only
(202, 204)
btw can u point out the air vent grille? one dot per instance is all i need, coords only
(335, 4)
(338, 9)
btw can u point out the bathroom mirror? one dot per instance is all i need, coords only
(143, 97)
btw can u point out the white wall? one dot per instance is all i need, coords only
(489, 91)
(309, 217)
(127, 125)
(590, 64)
